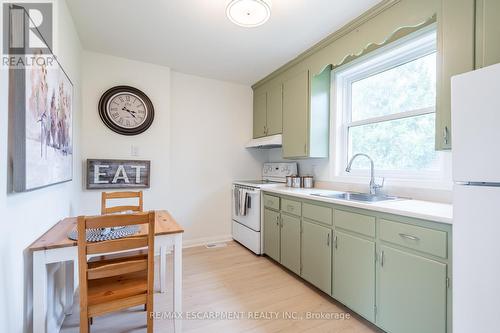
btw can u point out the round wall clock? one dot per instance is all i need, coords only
(126, 110)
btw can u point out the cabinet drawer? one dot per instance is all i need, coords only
(362, 224)
(422, 239)
(291, 207)
(271, 202)
(317, 213)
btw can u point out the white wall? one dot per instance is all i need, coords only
(101, 72)
(26, 216)
(195, 143)
(210, 124)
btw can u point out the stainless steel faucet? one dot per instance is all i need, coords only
(374, 188)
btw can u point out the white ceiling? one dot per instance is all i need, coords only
(195, 36)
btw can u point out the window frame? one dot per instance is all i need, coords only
(395, 54)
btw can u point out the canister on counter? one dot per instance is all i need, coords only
(296, 181)
(289, 181)
(308, 181)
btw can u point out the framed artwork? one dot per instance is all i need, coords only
(41, 102)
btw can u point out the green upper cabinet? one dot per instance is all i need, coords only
(259, 115)
(306, 112)
(268, 111)
(295, 110)
(275, 110)
(411, 293)
(487, 32)
(354, 279)
(290, 242)
(272, 234)
(455, 56)
(316, 254)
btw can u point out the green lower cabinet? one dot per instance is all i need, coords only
(354, 278)
(317, 255)
(290, 243)
(411, 293)
(272, 234)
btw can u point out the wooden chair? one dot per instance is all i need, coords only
(120, 195)
(105, 209)
(126, 281)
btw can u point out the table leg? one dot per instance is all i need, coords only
(163, 269)
(69, 289)
(39, 292)
(178, 281)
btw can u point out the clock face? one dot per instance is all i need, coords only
(126, 110)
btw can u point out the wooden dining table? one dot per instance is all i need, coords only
(54, 246)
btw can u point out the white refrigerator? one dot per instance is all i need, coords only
(475, 106)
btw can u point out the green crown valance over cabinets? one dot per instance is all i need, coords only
(396, 35)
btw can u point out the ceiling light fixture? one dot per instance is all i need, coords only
(248, 13)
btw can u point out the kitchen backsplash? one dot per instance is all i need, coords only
(321, 169)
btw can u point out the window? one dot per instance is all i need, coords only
(385, 106)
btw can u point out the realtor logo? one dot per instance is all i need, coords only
(27, 28)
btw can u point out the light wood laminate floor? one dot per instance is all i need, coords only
(234, 280)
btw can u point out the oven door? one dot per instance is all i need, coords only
(252, 217)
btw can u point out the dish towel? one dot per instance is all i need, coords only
(241, 201)
(236, 200)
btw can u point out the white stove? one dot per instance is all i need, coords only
(247, 220)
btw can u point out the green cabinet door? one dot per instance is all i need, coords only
(354, 279)
(487, 32)
(411, 293)
(272, 234)
(259, 115)
(274, 110)
(290, 242)
(455, 56)
(316, 255)
(295, 115)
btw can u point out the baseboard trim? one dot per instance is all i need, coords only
(202, 241)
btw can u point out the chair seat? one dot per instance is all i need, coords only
(117, 257)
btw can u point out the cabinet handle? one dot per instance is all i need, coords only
(446, 135)
(414, 238)
(277, 221)
(328, 240)
(335, 242)
(382, 258)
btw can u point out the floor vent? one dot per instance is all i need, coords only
(215, 245)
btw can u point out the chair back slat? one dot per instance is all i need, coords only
(120, 209)
(117, 269)
(116, 245)
(121, 195)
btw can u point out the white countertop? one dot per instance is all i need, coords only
(426, 210)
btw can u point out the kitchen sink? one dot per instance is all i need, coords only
(353, 196)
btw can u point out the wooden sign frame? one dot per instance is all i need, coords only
(117, 174)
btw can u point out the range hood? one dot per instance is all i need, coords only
(266, 142)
